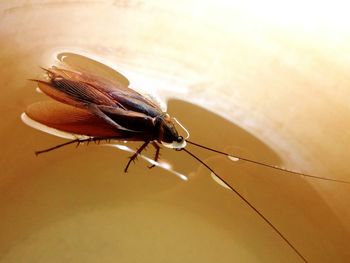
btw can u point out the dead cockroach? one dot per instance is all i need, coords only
(102, 109)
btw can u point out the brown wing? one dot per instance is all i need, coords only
(121, 108)
(66, 87)
(87, 88)
(70, 119)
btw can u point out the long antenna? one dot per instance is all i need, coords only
(267, 165)
(248, 203)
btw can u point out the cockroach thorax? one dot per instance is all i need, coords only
(167, 133)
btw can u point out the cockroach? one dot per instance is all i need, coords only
(101, 109)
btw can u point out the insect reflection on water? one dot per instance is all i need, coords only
(97, 109)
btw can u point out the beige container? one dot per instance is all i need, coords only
(268, 82)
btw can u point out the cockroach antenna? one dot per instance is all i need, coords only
(183, 128)
(288, 171)
(248, 203)
(266, 165)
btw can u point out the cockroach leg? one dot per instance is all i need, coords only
(156, 156)
(134, 156)
(78, 141)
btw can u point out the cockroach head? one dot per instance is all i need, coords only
(167, 133)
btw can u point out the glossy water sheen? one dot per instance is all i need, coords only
(76, 205)
(80, 199)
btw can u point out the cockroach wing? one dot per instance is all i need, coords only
(80, 89)
(70, 119)
(127, 97)
(73, 93)
(110, 87)
(120, 82)
(156, 100)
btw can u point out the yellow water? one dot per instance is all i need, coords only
(77, 205)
